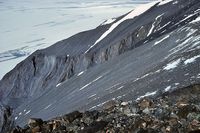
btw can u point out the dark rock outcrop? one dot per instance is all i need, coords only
(7, 121)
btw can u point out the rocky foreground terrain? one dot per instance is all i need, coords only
(177, 112)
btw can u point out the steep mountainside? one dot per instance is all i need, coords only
(148, 51)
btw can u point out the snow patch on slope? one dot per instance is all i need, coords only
(196, 20)
(167, 88)
(90, 83)
(164, 2)
(147, 95)
(172, 65)
(175, 2)
(58, 84)
(48, 106)
(188, 61)
(109, 21)
(79, 74)
(153, 25)
(91, 96)
(27, 112)
(16, 118)
(161, 40)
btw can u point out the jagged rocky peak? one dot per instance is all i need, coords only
(149, 51)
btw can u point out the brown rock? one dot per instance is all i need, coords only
(173, 121)
(17, 130)
(94, 127)
(181, 104)
(72, 116)
(195, 131)
(110, 105)
(56, 124)
(184, 110)
(145, 103)
(194, 125)
(36, 129)
(47, 127)
(33, 122)
(110, 131)
(168, 129)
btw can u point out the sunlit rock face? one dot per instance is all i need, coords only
(149, 51)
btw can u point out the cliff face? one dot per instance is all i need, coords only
(132, 55)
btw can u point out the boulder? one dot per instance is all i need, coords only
(72, 116)
(33, 122)
(94, 127)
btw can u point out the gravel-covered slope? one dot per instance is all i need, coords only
(145, 54)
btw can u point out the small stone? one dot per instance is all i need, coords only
(173, 115)
(192, 116)
(94, 127)
(124, 103)
(118, 125)
(195, 131)
(182, 103)
(146, 111)
(110, 131)
(142, 131)
(72, 116)
(126, 111)
(56, 124)
(48, 127)
(183, 122)
(145, 103)
(162, 113)
(183, 111)
(36, 129)
(17, 130)
(168, 129)
(134, 109)
(163, 129)
(144, 125)
(195, 123)
(110, 105)
(173, 122)
(33, 122)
